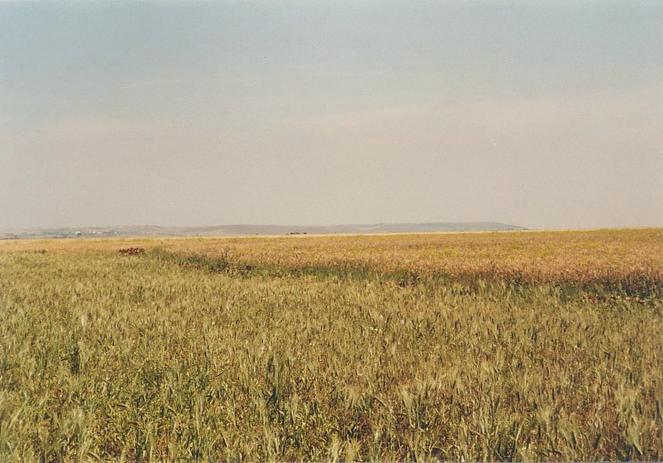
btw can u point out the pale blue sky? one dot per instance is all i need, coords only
(538, 113)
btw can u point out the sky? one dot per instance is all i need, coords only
(544, 114)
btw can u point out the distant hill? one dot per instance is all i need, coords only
(229, 230)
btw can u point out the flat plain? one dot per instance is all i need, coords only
(441, 346)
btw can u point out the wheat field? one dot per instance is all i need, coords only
(468, 346)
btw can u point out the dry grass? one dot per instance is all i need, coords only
(317, 351)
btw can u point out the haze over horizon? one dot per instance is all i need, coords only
(538, 114)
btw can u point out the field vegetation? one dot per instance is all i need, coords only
(476, 346)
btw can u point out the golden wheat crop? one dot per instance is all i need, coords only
(611, 257)
(527, 346)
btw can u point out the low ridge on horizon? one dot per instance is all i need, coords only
(260, 229)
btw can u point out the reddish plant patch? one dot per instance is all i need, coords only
(131, 251)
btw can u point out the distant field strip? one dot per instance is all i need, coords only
(481, 346)
(627, 260)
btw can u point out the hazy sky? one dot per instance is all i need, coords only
(536, 113)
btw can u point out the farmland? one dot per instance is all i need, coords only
(475, 346)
